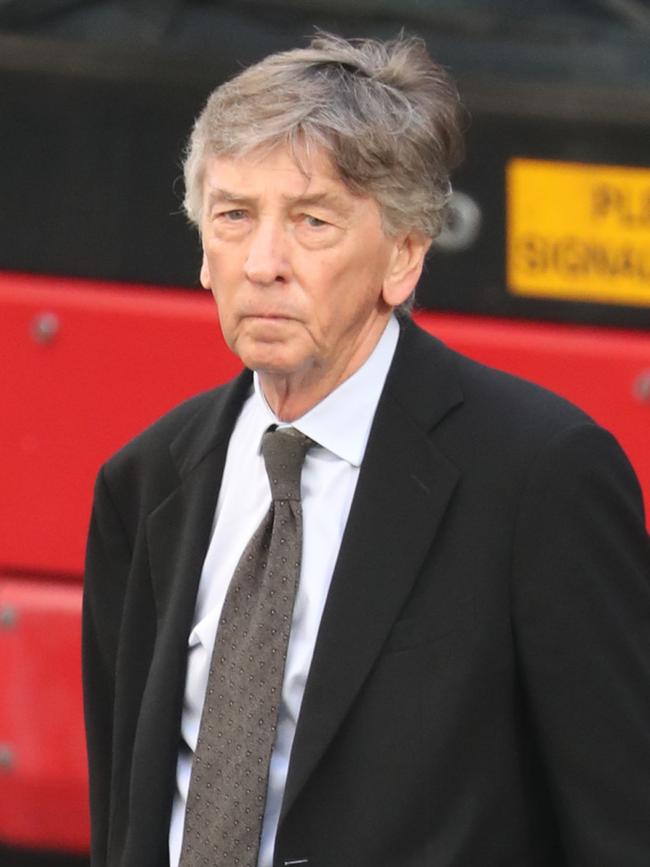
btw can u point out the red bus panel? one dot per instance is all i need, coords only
(43, 801)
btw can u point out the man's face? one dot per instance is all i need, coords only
(301, 269)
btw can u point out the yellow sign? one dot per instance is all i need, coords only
(578, 232)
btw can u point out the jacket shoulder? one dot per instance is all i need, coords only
(157, 437)
(148, 467)
(480, 394)
(513, 400)
(488, 415)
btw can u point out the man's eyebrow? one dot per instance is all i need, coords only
(217, 194)
(325, 199)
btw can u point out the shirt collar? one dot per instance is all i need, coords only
(341, 422)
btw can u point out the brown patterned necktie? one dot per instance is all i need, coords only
(227, 794)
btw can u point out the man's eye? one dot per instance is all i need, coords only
(314, 222)
(233, 216)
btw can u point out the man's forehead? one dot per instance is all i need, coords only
(309, 175)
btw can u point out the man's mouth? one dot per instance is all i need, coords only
(270, 316)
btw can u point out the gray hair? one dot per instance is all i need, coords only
(389, 117)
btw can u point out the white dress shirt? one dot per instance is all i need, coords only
(340, 425)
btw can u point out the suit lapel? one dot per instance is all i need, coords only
(178, 534)
(402, 493)
(178, 530)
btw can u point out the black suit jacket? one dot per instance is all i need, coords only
(480, 690)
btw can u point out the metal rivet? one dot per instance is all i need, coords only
(8, 617)
(6, 757)
(45, 327)
(642, 386)
(462, 224)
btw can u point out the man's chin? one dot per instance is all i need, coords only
(270, 360)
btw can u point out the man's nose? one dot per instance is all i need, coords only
(266, 262)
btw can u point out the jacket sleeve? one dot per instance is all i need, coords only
(581, 619)
(108, 558)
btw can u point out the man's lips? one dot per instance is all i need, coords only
(268, 316)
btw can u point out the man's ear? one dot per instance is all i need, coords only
(405, 267)
(205, 274)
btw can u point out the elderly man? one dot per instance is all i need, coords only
(370, 604)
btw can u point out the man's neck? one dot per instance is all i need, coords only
(291, 396)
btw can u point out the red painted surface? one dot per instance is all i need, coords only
(43, 773)
(122, 355)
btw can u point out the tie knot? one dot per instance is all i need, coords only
(284, 453)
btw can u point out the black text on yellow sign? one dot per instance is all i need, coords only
(578, 232)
